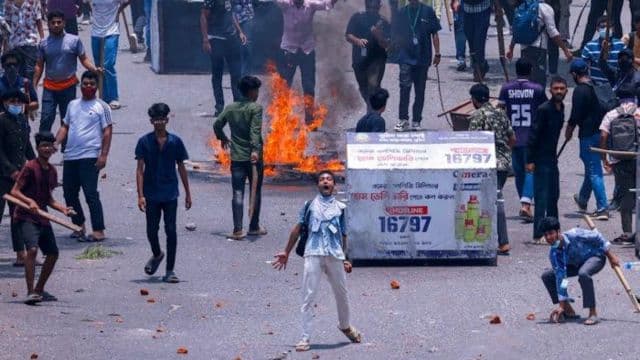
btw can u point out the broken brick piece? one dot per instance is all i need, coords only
(34, 356)
(182, 350)
(495, 319)
(151, 300)
(395, 285)
(531, 316)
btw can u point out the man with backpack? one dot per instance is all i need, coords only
(521, 98)
(533, 27)
(619, 132)
(323, 244)
(586, 113)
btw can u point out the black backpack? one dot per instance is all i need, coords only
(304, 229)
(624, 131)
(607, 99)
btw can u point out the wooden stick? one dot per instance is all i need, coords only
(622, 154)
(618, 271)
(101, 65)
(44, 214)
(254, 190)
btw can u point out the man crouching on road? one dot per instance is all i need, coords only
(322, 219)
(577, 252)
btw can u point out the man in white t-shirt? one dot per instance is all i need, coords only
(87, 127)
(105, 27)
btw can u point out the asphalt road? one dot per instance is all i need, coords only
(230, 303)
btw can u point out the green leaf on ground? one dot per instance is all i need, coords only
(96, 252)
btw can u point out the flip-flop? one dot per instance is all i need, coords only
(171, 278)
(48, 297)
(91, 238)
(591, 320)
(33, 299)
(152, 265)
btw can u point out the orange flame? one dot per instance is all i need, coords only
(288, 136)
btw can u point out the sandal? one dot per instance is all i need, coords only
(48, 297)
(77, 235)
(33, 299)
(623, 239)
(303, 345)
(352, 334)
(153, 263)
(171, 278)
(257, 232)
(238, 235)
(591, 320)
(92, 238)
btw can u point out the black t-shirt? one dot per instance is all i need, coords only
(412, 34)
(220, 19)
(585, 111)
(360, 26)
(372, 122)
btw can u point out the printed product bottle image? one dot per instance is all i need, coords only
(461, 214)
(471, 220)
(484, 227)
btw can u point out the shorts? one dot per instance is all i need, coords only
(33, 235)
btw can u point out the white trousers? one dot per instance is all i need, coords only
(314, 266)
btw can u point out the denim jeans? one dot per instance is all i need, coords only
(524, 179)
(147, 16)
(110, 82)
(546, 190)
(475, 29)
(154, 211)
(415, 75)
(222, 50)
(307, 63)
(53, 101)
(503, 234)
(460, 38)
(247, 59)
(593, 176)
(369, 75)
(240, 172)
(78, 174)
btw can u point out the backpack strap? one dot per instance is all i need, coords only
(307, 212)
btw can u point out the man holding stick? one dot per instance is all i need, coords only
(577, 252)
(33, 187)
(245, 120)
(15, 150)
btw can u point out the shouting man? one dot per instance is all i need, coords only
(322, 219)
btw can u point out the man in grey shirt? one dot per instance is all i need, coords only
(537, 52)
(58, 55)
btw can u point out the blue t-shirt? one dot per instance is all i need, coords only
(160, 176)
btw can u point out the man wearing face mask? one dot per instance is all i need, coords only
(591, 53)
(577, 252)
(11, 80)
(625, 74)
(15, 150)
(58, 55)
(368, 32)
(87, 127)
(541, 154)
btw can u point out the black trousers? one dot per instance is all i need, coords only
(156, 210)
(369, 75)
(229, 51)
(415, 75)
(307, 64)
(83, 174)
(624, 173)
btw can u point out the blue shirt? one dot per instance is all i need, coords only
(160, 176)
(591, 54)
(579, 245)
(325, 242)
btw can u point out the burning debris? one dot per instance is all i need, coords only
(288, 137)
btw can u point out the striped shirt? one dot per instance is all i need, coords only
(591, 54)
(476, 8)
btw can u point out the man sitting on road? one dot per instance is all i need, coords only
(577, 252)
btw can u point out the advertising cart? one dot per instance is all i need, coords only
(421, 195)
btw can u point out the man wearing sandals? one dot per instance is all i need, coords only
(158, 153)
(577, 252)
(324, 252)
(34, 186)
(245, 121)
(87, 127)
